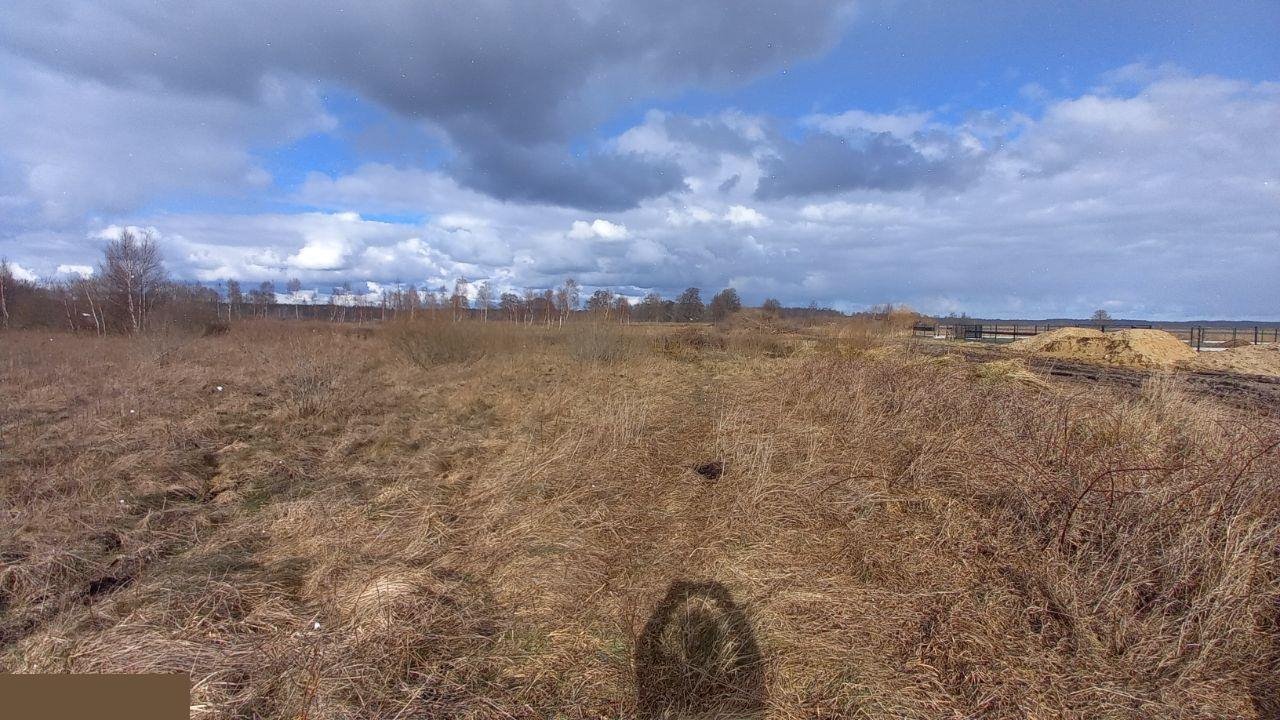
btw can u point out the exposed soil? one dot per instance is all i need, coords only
(1260, 392)
(710, 470)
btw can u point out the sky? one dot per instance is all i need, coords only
(1028, 159)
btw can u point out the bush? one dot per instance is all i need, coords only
(688, 340)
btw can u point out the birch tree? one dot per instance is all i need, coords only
(132, 273)
(6, 281)
(484, 299)
(459, 299)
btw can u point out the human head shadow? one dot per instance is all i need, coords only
(698, 658)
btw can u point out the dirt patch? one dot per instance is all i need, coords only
(710, 470)
(1133, 348)
(1253, 359)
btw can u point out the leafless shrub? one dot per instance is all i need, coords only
(688, 340)
(428, 343)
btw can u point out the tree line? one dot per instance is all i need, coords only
(548, 306)
(131, 293)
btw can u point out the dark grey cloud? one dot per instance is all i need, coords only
(534, 74)
(711, 134)
(824, 163)
(547, 174)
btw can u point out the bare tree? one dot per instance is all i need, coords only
(85, 286)
(622, 307)
(650, 308)
(566, 298)
(132, 273)
(549, 304)
(265, 296)
(412, 300)
(1100, 316)
(6, 280)
(530, 300)
(459, 300)
(294, 286)
(725, 303)
(600, 303)
(509, 305)
(235, 297)
(484, 299)
(689, 307)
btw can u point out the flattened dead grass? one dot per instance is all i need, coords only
(342, 533)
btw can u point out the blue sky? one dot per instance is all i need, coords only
(1013, 159)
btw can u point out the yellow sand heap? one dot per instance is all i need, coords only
(1252, 359)
(1136, 348)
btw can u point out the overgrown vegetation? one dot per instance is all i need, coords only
(478, 520)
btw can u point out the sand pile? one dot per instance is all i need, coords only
(1253, 359)
(1138, 348)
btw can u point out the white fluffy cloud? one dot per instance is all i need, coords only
(904, 125)
(22, 273)
(602, 229)
(1157, 199)
(82, 271)
(742, 215)
(75, 146)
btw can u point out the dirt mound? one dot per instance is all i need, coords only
(1140, 348)
(1253, 359)
(1060, 340)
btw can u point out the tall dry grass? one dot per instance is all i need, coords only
(428, 343)
(344, 532)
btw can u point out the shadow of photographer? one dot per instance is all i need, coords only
(698, 657)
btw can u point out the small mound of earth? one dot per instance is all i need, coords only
(1134, 348)
(1252, 359)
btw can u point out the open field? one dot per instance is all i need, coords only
(492, 521)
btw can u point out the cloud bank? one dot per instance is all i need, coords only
(1155, 192)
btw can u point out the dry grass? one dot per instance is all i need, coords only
(339, 532)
